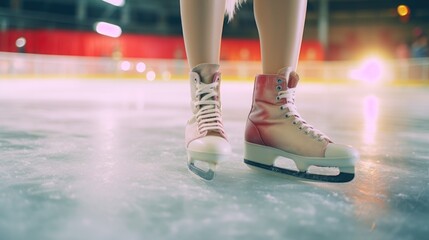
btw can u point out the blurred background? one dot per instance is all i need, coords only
(105, 159)
(344, 40)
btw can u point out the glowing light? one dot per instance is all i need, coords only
(108, 29)
(150, 76)
(403, 10)
(166, 75)
(20, 42)
(140, 67)
(125, 66)
(118, 3)
(371, 70)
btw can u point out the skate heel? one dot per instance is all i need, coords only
(259, 154)
(268, 155)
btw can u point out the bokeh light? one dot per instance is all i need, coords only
(125, 65)
(150, 76)
(141, 67)
(403, 10)
(108, 29)
(372, 69)
(20, 42)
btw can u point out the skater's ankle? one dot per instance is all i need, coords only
(206, 71)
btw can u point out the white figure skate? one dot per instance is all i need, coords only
(205, 137)
(275, 129)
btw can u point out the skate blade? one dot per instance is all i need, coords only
(206, 175)
(342, 177)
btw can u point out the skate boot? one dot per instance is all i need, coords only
(205, 137)
(275, 129)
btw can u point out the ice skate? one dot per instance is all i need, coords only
(275, 129)
(205, 137)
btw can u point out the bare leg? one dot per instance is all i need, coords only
(280, 26)
(202, 23)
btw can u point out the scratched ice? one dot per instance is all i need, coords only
(106, 160)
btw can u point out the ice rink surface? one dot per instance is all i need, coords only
(105, 159)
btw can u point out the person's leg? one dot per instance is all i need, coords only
(274, 127)
(280, 26)
(202, 23)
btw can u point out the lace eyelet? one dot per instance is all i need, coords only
(281, 108)
(278, 87)
(300, 128)
(287, 116)
(306, 133)
(279, 80)
(278, 98)
(294, 123)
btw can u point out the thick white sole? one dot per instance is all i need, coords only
(210, 158)
(267, 156)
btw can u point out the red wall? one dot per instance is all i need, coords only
(62, 42)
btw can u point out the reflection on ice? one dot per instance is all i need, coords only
(106, 160)
(370, 114)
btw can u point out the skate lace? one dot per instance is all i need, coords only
(290, 106)
(209, 114)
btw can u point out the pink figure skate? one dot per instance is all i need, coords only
(205, 137)
(275, 129)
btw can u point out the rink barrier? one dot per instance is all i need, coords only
(35, 66)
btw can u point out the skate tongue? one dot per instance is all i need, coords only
(206, 71)
(291, 75)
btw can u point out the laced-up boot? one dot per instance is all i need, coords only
(275, 129)
(205, 136)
